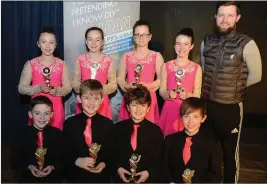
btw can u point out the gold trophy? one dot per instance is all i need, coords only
(134, 160)
(93, 150)
(187, 176)
(47, 74)
(139, 68)
(40, 157)
(179, 75)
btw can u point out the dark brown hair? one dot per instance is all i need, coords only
(140, 94)
(193, 104)
(228, 3)
(142, 23)
(92, 29)
(47, 29)
(40, 100)
(187, 32)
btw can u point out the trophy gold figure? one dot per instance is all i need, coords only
(134, 160)
(179, 75)
(40, 157)
(188, 175)
(47, 74)
(93, 150)
(139, 68)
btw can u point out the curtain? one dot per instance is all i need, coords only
(21, 23)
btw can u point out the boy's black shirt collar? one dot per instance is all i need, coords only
(139, 123)
(36, 130)
(193, 136)
(85, 116)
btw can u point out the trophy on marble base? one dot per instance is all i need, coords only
(40, 157)
(188, 175)
(179, 75)
(93, 150)
(47, 74)
(139, 68)
(134, 160)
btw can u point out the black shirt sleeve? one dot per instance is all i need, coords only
(155, 169)
(54, 150)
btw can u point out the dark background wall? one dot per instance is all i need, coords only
(167, 18)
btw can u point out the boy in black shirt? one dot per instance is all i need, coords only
(82, 131)
(188, 154)
(137, 136)
(42, 145)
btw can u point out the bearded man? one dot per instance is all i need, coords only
(231, 62)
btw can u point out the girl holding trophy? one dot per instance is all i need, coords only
(180, 79)
(95, 65)
(47, 75)
(140, 66)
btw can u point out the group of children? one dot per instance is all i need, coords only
(91, 148)
(152, 73)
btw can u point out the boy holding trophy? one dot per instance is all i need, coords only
(189, 154)
(87, 137)
(41, 150)
(138, 143)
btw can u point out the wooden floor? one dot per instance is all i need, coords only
(253, 158)
(253, 155)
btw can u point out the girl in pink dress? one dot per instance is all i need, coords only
(95, 65)
(47, 76)
(140, 66)
(180, 79)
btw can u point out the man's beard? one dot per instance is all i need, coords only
(226, 31)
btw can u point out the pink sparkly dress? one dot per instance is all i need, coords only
(32, 78)
(170, 121)
(147, 76)
(103, 71)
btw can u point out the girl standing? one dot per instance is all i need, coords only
(47, 75)
(95, 65)
(140, 66)
(180, 78)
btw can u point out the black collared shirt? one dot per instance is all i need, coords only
(149, 145)
(202, 150)
(75, 146)
(52, 141)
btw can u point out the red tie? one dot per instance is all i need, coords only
(134, 137)
(187, 150)
(40, 139)
(88, 132)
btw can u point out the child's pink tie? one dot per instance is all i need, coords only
(40, 139)
(134, 137)
(187, 150)
(88, 132)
